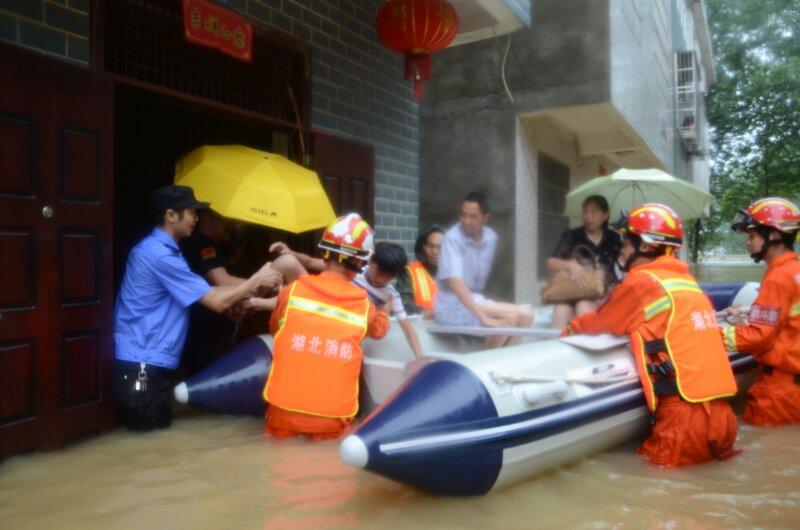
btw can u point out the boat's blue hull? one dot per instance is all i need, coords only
(427, 439)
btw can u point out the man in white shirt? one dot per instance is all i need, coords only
(467, 255)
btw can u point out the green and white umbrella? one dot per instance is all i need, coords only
(627, 188)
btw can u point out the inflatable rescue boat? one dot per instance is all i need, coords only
(466, 421)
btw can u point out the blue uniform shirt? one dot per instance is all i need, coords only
(152, 310)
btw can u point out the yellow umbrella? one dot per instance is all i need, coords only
(256, 187)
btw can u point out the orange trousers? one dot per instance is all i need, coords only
(281, 423)
(773, 399)
(690, 433)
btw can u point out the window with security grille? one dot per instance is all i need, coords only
(553, 184)
(144, 41)
(686, 99)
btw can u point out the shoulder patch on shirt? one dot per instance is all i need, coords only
(208, 253)
(764, 314)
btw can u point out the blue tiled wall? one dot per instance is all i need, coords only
(358, 89)
(358, 92)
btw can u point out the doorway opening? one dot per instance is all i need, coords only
(153, 132)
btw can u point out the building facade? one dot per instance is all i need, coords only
(358, 90)
(591, 86)
(98, 99)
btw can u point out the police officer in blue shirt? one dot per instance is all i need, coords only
(152, 311)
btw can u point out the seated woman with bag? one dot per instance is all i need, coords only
(582, 266)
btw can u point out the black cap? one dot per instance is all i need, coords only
(175, 197)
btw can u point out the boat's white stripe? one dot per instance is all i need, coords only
(432, 442)
(435, 441)
(524, 461)
(575, 435)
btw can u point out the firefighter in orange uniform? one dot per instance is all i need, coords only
(318, 325)
(680, 357)
(772, 330)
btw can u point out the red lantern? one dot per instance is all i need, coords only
(417, 28)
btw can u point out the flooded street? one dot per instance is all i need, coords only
(738, 270)
(176, 173)
(211, 472)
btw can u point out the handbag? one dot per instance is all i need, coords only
(560, 288)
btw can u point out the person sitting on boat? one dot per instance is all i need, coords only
(679, 353)
(468, 251)
(771, 331)
(417, 287)
(601, 241)
(387, 262)
(318, 325)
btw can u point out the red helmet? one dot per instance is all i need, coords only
(655, 223)
(772, 212)
(349, 236)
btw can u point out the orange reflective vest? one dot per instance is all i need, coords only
(424, 286)
(691, 343)
(674, 334)
(317, 354)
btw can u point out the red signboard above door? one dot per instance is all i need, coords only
(208, 24)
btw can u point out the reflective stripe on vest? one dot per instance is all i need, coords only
(656, 308)
(695, 348)
(665, 302)
(729, 336)
(795, 310)
(326, 311)
(317, 354)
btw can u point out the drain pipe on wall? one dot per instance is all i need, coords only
(503, 63)
(503, 70)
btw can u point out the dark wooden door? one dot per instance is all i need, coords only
(347, 170)
(56, 299)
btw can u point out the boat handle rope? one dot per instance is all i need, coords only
(525, 378)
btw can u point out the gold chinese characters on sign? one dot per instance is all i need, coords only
(211, 25)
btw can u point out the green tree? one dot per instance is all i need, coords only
(753, 109)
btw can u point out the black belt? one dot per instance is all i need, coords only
(663, 385)
(769, 370)
(651, 347)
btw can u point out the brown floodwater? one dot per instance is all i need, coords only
(211, 472)
(728, 271)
